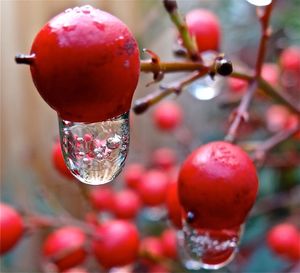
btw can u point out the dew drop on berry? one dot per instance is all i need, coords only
(95, 152)
(208, 249)
(260, 3)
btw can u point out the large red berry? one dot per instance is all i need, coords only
(59, 162)
(290, 59)
(205, 27)
(217, 186)
(153, 188)
(126, 204)
(101, 198)
(167, 116)
(284, 239)
(117, 245)
(11, 227)
(66, 246)
(133, 174)
(86, 65)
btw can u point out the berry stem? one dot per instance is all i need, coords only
(242, 110)
(179, 22)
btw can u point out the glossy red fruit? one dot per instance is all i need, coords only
(101, 198)
(11, 227)
(132, 174)
(167, 116)
(284, 240)
(217, 186)
(290, 59)
(173, 205)
(86, 65)
(59, 162)
(153, 188)
(169, 243)
(126, 204)
(237, 85)
(117, 245)
(270, 73)
(164, 158)
(66, 246)
(205, 27)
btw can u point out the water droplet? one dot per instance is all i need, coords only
(95, 152)
(260, 3)
(208, 249)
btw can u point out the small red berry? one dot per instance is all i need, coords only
(217, 186)
(270, 73)
(205, 27)
(59, 162)
(167, 116)
(117, 245)
(164, 158)
(66, 247)
(153, 188)
(277, 117)
(290, 59)
(86, 65)
(152, 246)
(11, 227)
(169, 243)
(126, 204)
(237, 85)
(173, 205)
(101, 198)
(133, 174)
(284, 239)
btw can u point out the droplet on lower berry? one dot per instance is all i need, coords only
(260, 3)
(95, 152)
(207, 248)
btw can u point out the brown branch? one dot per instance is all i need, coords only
(241, 114)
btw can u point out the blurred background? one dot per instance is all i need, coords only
(29, 127)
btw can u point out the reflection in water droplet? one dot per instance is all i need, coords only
(205, 88)
(208, 249)
(95, 152)
(260, 3)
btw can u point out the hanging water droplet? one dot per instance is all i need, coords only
(260, 3)
(95, 152)
(208, 249)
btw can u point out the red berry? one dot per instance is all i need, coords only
(169, 243)
(66, 247)
(153, 188)
(270, 73)
(59, 162)
(158, 268)
(117, 245)
(152, 246)
(133, 174)
(86, 65)
(284, 239)
(11, 227)
(101, 198)
(205, 27)
(76, 270)
(167, 116)
(126, 204)
(173, 205)
(217, 186)
(277, 117)
(290, 59)
(237, 85)
(164, 158)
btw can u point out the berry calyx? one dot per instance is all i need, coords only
(167, 116)
(59, 162)
(214, 188)
(126, 204)
(205, 27)
(153, 188)
(117, 245)
(86, 65)
(11, 227)
(65, 247)
(284, 240)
